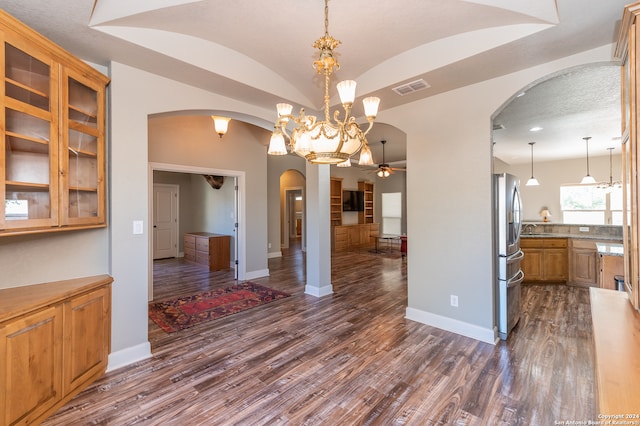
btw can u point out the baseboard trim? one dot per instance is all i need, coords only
(128, 356)
(482, 334)
(318, 291)
(274, 254)
(252, 275)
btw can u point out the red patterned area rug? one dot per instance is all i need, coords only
(185, 312)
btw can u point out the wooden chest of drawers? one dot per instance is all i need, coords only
(207, 249)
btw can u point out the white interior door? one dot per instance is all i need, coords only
(165, 221)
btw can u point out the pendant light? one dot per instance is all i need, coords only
(588, 179)
(532, 181)
(609, 186)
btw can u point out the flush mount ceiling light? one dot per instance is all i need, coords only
(535, 129)
(532, 181)
(221, 124)
(609, 186)
(326, 141)
(588, 179)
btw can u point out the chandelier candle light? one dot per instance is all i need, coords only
(326, 141)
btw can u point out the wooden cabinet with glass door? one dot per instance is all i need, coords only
(628, 51)
(82, 163)
(30, 137)
(52, 121)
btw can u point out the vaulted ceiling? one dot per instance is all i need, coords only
(261, 51)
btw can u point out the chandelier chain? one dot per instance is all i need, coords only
(326, 141)
(326, 18)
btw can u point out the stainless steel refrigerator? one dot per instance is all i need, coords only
(508, 216)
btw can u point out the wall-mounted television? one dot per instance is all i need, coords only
(352, 201)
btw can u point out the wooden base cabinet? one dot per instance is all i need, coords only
(54, 341)
(545, 259)
(211, 250)
(355, 236)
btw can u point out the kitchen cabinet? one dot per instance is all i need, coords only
(207, 249)
(52, 158)
(54, 341)
(545, 259)
(610, 266)
(583, 263)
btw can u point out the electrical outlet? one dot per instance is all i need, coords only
(584, 229)
(454, 300)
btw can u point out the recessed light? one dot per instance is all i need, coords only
(535, 129)
(520, 94)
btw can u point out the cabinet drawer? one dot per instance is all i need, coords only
(189, 242)
(531, 243)
(341, 237)
(583, 244)
(190, 254)
(202, 244)
(202, 258)
(555, 242)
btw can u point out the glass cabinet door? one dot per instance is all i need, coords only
(29, 138)
(82, 151)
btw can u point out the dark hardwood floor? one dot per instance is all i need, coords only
(346, 359)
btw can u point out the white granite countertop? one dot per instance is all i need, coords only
(610, 249)
(576, 236)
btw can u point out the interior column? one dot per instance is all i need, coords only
(318, 230)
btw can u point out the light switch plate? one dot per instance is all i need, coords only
(138, 227)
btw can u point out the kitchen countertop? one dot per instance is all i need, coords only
(610, 249)
(576, 236)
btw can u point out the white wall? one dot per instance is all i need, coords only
(135, 95)
(57, 256)
(449, 198)
(553, 174)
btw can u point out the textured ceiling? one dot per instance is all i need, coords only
(581, 102)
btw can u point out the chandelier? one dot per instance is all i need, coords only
(326, 141)
(609, 186)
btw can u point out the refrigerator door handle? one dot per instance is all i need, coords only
(516, 280)
(519, 255)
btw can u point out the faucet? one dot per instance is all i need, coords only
(530, 226)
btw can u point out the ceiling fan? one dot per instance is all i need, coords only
(384, 169)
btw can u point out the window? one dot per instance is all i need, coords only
(16, 209)
(589, 205)
(392, 213)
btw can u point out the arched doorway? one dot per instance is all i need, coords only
(292, 208)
